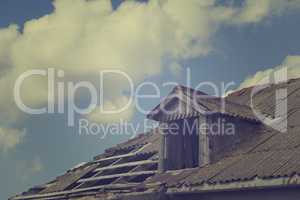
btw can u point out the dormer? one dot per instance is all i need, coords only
(197, 129)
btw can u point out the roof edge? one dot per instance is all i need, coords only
(255, 183)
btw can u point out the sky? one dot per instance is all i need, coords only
(158, 41)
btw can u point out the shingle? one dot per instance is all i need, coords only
(185, 102)
(243, 169)
(64, 181)
(209, 172)
(268, 154)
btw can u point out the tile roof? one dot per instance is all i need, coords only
(138, 157)
(185, 102)
(269, 154)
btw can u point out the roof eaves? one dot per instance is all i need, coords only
(255, 183)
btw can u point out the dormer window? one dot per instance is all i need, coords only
(191, 133)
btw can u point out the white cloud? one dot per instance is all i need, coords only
(105, 115)
(36, 165)
(7, 38)
(9, 138)
(291, 63)
(83, 37)
(254, 11)
(25, 169)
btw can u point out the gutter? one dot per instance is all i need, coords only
(256, 183)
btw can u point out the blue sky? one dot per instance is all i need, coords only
(235, 48)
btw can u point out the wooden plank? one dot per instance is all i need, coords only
(129, 164)
(191, 142)
(116, 176)
(115, 157)
(121, 178)
(99, 172)
(204, 152)
(178, 146)
(162, 153)
(123, 155)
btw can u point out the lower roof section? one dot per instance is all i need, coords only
(112, 192)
